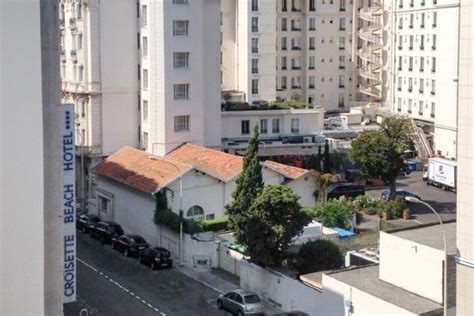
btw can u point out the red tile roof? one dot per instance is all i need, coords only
(216, 163)
(140, 170)
(288, 171)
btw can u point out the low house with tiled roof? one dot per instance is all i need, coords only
(127, 181)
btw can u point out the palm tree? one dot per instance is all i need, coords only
(322, 180)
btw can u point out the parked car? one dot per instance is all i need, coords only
(85, 222)
(156, 257)
(129, 245)
(399, 194)
(349, 190)
(241, 302)
(105, 231)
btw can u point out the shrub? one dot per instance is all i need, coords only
(397, 206)
(318, 255)
(215, 224)
(333, 213)
(365, 201)
(371, 210)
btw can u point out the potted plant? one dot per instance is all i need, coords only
(406, 214)
(386, 215)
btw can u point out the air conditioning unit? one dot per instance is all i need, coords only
(307, 140)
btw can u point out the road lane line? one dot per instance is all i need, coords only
(121, 287)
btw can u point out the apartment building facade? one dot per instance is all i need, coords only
(179, 74)
(424, 68)
(99, 64)
(289, 49)
(465, 205)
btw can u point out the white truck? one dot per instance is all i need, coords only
(441, 172)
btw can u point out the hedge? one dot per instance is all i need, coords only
(215, 224)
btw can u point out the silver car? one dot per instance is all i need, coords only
(241, 302)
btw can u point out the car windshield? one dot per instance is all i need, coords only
(116, 229)
(252, 299)
(139, 240)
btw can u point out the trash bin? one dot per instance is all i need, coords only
(411, 165)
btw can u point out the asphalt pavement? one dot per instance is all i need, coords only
(111, 284)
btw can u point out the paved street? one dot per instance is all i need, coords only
(111, 284)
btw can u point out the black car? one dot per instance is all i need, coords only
(105, 231)
(86, 222)
(156, 257)
(349, 190)
(130, 245)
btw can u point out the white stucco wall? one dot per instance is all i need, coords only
(22, 249)
(412, 266)
(335, 293)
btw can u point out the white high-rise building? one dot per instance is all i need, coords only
(288, 49)
(179, 59)
(465, 204)
(424, 69)
(407, 61)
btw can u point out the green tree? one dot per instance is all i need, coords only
(249, 185)
(327, 158)
(334, 213)
(317, 256)
(379, 153)
(273, 220)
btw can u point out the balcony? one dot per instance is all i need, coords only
(421, 91)
(295, 87)
(296, 67)
(342, 48)
(341, 86)
(311, 86)
(420, 113)
(283, 87)
(72, 23)
(433, 93)
(342, 67)
(410, 89)
(432, 115)
(62, 54)
(296, 28)
(295, 48)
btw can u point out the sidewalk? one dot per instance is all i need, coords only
(220, 281)
(216, 279)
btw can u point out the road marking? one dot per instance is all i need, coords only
(138, 298)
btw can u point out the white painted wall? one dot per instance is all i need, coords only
(279, 289)
(22, 270)
(335, 293)
(412, 266)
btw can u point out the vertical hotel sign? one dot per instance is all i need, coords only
(68, 198)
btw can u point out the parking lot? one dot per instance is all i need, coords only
(444, 202)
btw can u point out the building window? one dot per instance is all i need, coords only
(400, 63)
(283, 43)
(180, 27)
(195, 213)
(255, 65)
(105, 204)
(181, 60)
(312, 43)
(341, 82)
(420, 108)
(433, 64)
(399, 84)
(79, 41)
(342, 43)
(399, 104)
(311, 84)
(422, 86)
(422, 42)
(341, 103)
(144, 16)
(412, 18)
(410, 106)
(254, 5)
(181, 91)
(254, 24)
(182, 123)
(295, 25)
(79, 11)
(81, 73)
(283, 83)
(295, 125)
(435, 18)
(254, 86)
(263, 126)
(283, 5)
(312, 24)
(295, 44)
(422, 25)
(410, 63)
(400, 23)
(145, 141)
(342, 62)
(145, 79)
(432, 109)
(180, 1)
(342, 5)
(254, 45)
(275, 126)
(400, 42)
(283, 24)
(342, 24)
(145, 47)
(433, 87)
(422, 64)
(410, 84)
(283, 63)
(145, 110)
(245, 127)
(433, 43)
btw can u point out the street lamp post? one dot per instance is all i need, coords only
(445, 272)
